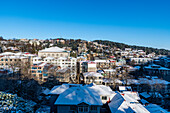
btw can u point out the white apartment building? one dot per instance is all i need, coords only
(62, 62)
(86, 66)
(54, 52)
(105, 64)
(141, 60)
(93, 77)
(14, 59)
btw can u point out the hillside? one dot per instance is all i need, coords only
(122, 46)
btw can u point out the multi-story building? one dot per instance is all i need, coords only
(40, 72)
(63, 75)
(141, 60)
(105, 64)
(86, 66)
(55, 52)
(62, 62)
(10, 59)
(68, 62)
(109, 73)
(92, 77)
(157, 70)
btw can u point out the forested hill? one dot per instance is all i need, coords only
(122, 46)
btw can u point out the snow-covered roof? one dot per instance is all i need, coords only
(13, 57)
(39, 58)
(46, 91)
(78, 95)
(7, 53)
(125, 88)
(29, 55)
(61, 88)
(152, 81)
(132, 81)
(154, 66)
(145, 94)
(153, 108)
(132, 94)
(62, 70)
(147, 81)
(122, 88)
(100, 89)
(100, 61)
(42, 64)
(122, 103)
(19, 54)
(92, 74)
(53, 49)
(62, 58)
(107, 80)
(49, 58)
(143, 101)
(110, 70)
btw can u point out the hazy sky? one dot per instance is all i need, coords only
(135, 22)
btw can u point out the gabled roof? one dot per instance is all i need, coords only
(61, 88)
(132, 94)
(122, 103)
(77, 95)
(100, 89)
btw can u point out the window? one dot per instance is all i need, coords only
(39, 71)
(10, 59)
(86, 109)
(34, 67)
(93, 108)
(104, 97)
(39, 67)
(100, 77)
(72, 108)
(6, 59)
(33, 71)
(34, 74)
(45, 74)
(45, 79)
(83, 109)
(2, 59)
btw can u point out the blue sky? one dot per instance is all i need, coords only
(135, 22)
